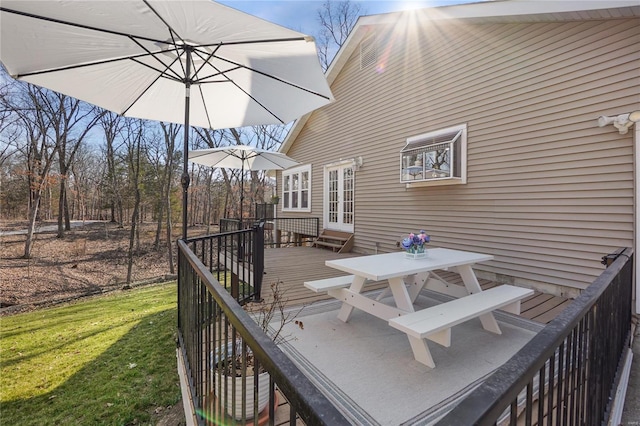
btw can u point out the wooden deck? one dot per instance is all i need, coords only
(292, 266)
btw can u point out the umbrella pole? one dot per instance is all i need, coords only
(241, 192)
(185, 168)
(241, 236)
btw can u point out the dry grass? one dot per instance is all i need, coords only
(90, 260)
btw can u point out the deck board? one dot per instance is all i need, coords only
(292, 266)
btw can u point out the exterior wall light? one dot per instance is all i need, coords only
(621, 122)
(357, 162)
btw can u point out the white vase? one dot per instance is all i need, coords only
(263, 386)
(416, 255)
(263, 394)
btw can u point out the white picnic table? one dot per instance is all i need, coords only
(407, 277)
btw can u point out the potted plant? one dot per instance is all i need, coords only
(414, 244)
(228, 366)
(275, 199)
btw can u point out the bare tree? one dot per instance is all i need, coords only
(67, 114)
(36, 145)
(84, 183)
(170, 132)
(112, 124)
(212, 139)
(8, 131)
(336, 19)
(134, 140)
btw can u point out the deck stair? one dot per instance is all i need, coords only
(337, 241)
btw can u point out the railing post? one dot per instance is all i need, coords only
(608, 259)
(258, 259)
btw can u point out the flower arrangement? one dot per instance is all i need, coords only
(414, 243)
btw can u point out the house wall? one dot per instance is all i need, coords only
(548, 192)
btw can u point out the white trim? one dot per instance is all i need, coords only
(499, 9)
(340, 162)
(435, 182)
(617, 407)
(297, 170)
(636, 215)
(187, 401)
(325, 196)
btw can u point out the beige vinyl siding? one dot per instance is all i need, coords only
(548, 193)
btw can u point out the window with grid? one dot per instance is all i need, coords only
(296, 189)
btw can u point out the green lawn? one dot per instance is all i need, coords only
(109, 360)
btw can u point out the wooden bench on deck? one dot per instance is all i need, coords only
(435, 323)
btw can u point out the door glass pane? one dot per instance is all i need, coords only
(347, 195)
(333, 196)
(295, 178)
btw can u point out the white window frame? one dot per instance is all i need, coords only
(291, 174)
(458, 136)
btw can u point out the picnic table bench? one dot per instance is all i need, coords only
(435, 323)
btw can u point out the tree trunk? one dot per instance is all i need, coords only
(61, 211)
(156, 242)
(132, 239)
(33, 213)
(67, 217)
(167, 202)
(172, 269)
(120, 219)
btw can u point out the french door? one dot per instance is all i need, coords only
(339, 196)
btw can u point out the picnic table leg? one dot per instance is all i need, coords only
(384, 293)
(346, 309)
(400, 294)
(421, 351)
(416, 283)
(488, 321)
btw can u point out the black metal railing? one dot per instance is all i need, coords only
(265, 211)
(568, 372)
(235, 258)
(279, 232)
(224, 351)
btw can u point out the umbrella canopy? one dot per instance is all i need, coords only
(188, 62)
(244, 158)
(134, 57)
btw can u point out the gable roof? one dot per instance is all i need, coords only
(506, 11)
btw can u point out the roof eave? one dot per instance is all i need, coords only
(484, 10)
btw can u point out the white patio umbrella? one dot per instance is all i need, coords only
(241, 157)
(192, 62)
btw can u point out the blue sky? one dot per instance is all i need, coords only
(302, 15)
